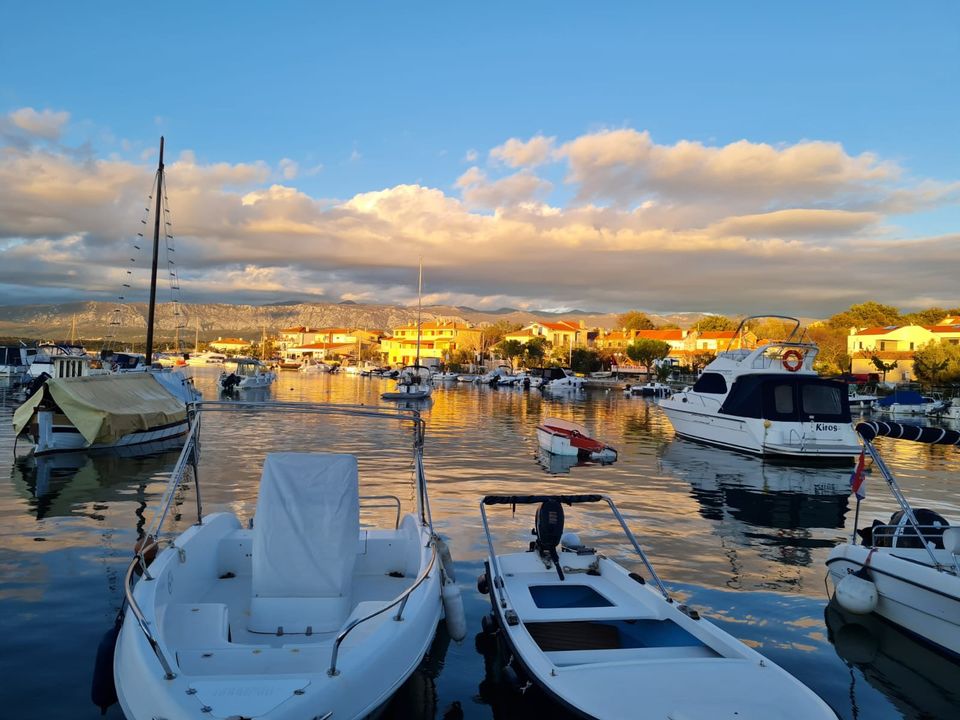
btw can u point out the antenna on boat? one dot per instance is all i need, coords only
(156, 250)
(419, 306)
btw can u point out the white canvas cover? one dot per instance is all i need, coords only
(307, 525)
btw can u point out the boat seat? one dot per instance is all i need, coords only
(297, 615)
(196, 625)
(255, 660)
(564, 658)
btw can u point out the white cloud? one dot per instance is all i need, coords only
(524, 153)
(289, 169)
(46, 124)
(802, 228)
(471, 156)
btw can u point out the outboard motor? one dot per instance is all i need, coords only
(230, 382)
(37, 383)
(549, 528)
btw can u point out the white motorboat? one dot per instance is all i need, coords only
(562, 437)
(906, 570)
(74, 410)
(555, 379)
(909, 403)
(468, 378)
(650, 389)
(206, 358)
(314, 366)
(245, 374)
(444, 377)
(413, 383)
(606, 642)
(767, 401)
(15, 360)
(304, 615)
(500, 375)
(42, 359)
(860, 399)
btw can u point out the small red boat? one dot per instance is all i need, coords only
(562, 437)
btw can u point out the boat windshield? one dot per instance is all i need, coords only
(790, 399)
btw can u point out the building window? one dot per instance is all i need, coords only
(911, 346)
(860, 344)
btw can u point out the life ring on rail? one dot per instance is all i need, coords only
(792, 360)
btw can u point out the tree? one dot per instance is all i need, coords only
(937, 363)
(646, 352)
(716, 322)
(931, 316)
(584, 360)
(492, 334)
(771, 328)
(832, 341)
(868, 314)
(882, 366)
(635, 320)
(701, 359)
(510, 349)
(534, 350)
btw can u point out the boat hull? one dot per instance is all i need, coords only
(911, 594)
(293, 683)
(765, 438)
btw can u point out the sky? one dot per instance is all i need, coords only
(726, 157)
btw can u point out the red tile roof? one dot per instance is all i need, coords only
(878, 330)
(718, 334)
(944, 328)
(670, 334)
(561, 326)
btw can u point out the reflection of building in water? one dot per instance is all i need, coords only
(919, 681)
(767, 515)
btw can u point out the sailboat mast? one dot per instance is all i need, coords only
(151, 312)
(419, 301)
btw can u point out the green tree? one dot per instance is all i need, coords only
(510, 349)
(771, 328)
(883, 366)
(716, 322)
(490, 335)
(701, 359)
(937, 363)
(635, 320)
(832, 341)
(930, 316)
(584, 360)
(646, 352)
(534, 350)
(868, 314)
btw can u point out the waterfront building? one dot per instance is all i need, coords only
(897, 343)
(439, 339)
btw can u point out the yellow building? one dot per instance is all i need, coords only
(439, 339)
(301, 336)
(229, 345)
(896, 343)
(564, 333)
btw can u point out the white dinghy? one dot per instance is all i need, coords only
(609, 643)
(306, 615)
(907, 571)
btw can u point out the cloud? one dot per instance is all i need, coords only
(289, 169)
(627, 166)
(471, 156)
(46, 124)
(519, 153)
(802, 228)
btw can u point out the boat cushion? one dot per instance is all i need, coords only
(307, 525)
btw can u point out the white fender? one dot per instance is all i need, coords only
(453, 610)
(856, 594)
(951, 540)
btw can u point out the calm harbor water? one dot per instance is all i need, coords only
(743, 541)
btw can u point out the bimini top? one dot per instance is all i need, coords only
(934, 436)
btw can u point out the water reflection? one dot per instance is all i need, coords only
(921, 682)
(66, 484)
(762, 510)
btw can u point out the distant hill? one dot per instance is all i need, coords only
(212, 320)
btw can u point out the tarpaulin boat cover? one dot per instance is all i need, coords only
(306, 527)
(104, 408)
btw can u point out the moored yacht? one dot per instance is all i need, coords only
(767, 401)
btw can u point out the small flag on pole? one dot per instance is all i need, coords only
(857, 478)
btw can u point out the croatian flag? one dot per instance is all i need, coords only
(857, 478)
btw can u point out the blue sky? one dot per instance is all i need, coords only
(363, 97)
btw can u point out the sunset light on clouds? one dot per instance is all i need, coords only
(643, 194)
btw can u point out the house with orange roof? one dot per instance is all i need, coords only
(229, 345)
(439, 339)
(897, 343)
(563, 333)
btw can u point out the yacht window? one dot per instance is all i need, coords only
(783, 399)
(820, 400)
(711, 383)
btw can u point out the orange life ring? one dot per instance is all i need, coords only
(792, 360)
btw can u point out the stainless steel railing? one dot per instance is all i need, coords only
(189, 457)
(401, 599)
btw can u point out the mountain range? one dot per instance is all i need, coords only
(99, 320)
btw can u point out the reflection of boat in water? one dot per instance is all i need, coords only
(417, 697)
(919, 681)
(557, 464)
(772, 509)
(60, 485)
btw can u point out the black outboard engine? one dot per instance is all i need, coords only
(549, 528)
(37, 383)
(230, 382)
